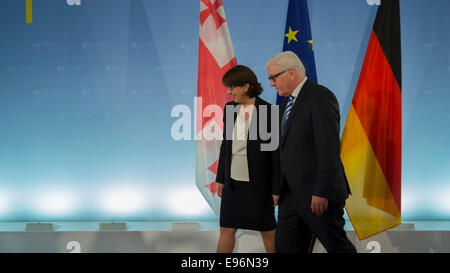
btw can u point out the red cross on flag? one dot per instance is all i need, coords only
(216, 56)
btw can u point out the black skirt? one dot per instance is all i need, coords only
(240, 209)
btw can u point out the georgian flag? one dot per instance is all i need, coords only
(216, 56)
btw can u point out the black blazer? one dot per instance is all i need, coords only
(310, 147)
(264, 166)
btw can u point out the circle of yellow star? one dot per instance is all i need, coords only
(291, 35)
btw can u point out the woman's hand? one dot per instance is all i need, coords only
(219, 188)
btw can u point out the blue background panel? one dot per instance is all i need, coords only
(86, 93)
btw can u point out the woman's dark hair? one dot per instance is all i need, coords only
(240, 75)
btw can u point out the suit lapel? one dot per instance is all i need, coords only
(254, 121)
(235, 113)
(298, 101)
(282, 106)
(255, 115)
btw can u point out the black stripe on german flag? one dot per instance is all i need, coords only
(387, 30)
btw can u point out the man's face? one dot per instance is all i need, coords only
(280, 79)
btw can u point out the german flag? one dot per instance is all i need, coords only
(371, 144)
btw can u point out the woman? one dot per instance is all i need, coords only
(247, 176)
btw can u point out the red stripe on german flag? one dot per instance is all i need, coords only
(371, 141)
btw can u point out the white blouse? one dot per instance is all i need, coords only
(239, 164)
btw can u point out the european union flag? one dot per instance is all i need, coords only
(298, 38)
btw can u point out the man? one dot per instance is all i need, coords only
(313, 182)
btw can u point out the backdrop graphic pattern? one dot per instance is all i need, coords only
(86, 93)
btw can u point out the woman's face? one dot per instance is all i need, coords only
(239, 93)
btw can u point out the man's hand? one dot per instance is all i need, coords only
(219, 188)
(319, 205)
(275, 200)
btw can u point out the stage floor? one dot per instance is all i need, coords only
(158, 236)
(203, 226)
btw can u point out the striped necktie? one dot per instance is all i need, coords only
(287, 111)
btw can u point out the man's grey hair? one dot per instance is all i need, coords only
(286, 60)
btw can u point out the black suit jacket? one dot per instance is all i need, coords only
(310, 146)
(264, 166)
